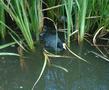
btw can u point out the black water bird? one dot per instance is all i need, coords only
(52, 41)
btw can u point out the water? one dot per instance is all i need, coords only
(21, 74)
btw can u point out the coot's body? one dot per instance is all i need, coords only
(52, 41)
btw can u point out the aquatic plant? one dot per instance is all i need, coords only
(82, 8)
(68, 9)
(80, 16)
(8, 53)
(18, 13)
(36, 17)
(27, 17)
(2, 18)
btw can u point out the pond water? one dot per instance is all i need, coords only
(21, 74)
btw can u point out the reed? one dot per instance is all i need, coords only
(90, 15)
(54, 9)
(8, 53)
(50, 13)
(36, 17)
(82, 8)
(27, 16)
(2, 18)
(16, 10)
(68, 10)
(103, 12)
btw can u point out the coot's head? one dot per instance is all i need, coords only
(60, 46)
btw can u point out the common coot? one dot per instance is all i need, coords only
(52, 41)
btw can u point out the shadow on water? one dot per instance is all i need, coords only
(81, 75)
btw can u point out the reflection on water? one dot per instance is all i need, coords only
(81, 75)
(55, 80)
(88, 84)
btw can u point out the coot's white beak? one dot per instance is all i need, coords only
(64, 46)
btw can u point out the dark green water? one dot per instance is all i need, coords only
(21, 75)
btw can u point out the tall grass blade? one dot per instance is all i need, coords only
(82, 15)
(68, 9)
(9, 54)
(19, 14)
(2, 18)
(7, 45)
(36, 16)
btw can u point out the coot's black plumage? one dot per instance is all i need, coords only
(52, 41)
